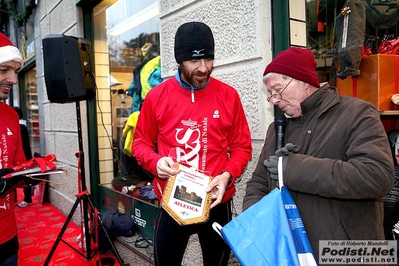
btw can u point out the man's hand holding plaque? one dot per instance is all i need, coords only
(186, 198)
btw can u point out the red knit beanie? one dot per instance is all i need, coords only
(297, 63)
(8, 52)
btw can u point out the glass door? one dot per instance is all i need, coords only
(126, 39)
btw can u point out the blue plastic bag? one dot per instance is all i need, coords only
(302, 245)
(270, 232)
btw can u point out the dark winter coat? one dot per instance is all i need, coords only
(25, 139)
(342, 170)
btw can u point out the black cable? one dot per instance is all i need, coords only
(105, 128)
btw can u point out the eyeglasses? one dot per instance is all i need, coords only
(278, 95)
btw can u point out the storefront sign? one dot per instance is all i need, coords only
(28, 48)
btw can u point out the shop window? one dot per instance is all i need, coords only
(131, 34)
(32, 109)
(377, 20)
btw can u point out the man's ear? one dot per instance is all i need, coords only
(305, 85)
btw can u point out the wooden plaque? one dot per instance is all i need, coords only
(185, 198)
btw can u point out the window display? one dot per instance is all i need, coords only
(32, 110)
(342, 32)
(131, 53)
(133, 39)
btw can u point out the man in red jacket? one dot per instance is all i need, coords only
(195, 119)
(11, 152)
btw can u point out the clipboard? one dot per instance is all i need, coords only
(59, 168)
(185, 198)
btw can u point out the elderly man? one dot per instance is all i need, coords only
(337, 162)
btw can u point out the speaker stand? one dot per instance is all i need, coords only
(84, 198)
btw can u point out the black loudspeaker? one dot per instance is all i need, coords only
(68, 68)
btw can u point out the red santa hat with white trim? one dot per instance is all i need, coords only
(8, 52)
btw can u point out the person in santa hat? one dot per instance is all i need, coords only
(11, 151)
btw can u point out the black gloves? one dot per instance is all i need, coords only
(284, 152)
(5, 171)
(5, 184)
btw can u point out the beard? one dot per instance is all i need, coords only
(3, 96)
(195, 78)
(5, 92)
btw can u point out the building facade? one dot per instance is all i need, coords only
(242, 31)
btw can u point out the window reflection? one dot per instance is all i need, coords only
(137, 24)
(32, 110)
(132, 33)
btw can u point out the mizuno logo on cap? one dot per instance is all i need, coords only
(198, 53)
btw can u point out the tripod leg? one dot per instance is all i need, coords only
(57, 241)
(100, 221)
(86, 227)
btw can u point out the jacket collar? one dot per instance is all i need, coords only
(187, 86)
(325, 97)
(22, 122)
